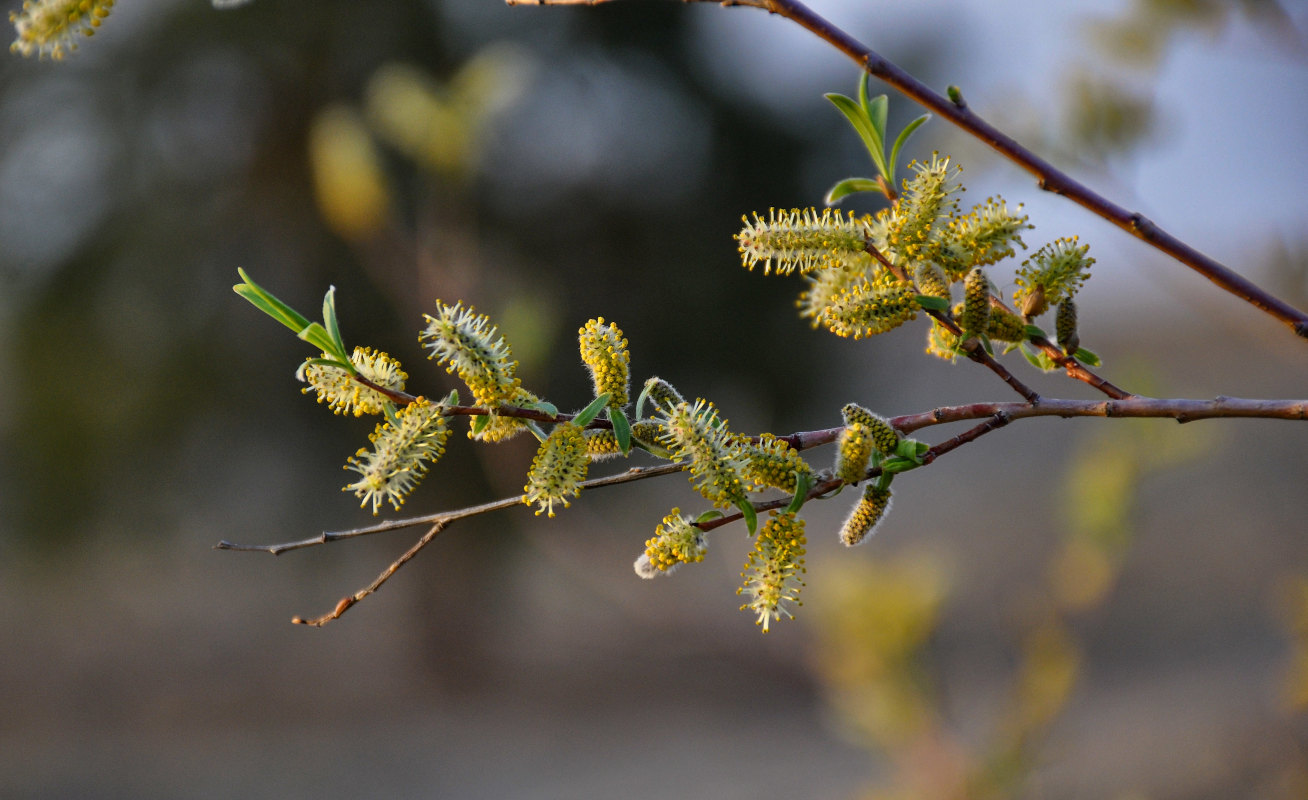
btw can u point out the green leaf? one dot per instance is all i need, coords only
(329, 318)
(266, 302)
(1035, 332)
(328, 362)
(848, 186)
(543, 406)
(621, 429)
(711, 514)
(316, 335)
(897, 464)
(909, 448)
(536, 430)
(877, 109)
(922, 448)
(803, 482)
(590, 412)
(750, 515)
(865, 128)
(932, 303)
(640, 402)
(388, 409)
(479, 423)
(451, 399)
(901, 139)
(1087, 357)
(1038, 359)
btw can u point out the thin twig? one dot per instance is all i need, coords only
(972, 347)
(1048, 177)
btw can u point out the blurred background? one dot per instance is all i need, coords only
(1063, 609)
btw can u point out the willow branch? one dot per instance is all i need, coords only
(971, 347)
(1048, 177)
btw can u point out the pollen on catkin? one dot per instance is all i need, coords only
(1065, 327)
(662, 394)
(930, 280)
(884, 435)
(774, 569)
(558, 469)
(342, 393)
(1005, 326)
(941, 343)
(866, 515)
(400, 454)
(604, 352)
(868, 308)
(676, 541)
(854, 449)
(976, 304)
(697, 434)
(803, 240)
(1056, 270)
(925, 199)
(52, 27)
(466, 343)
(601, 444)
(982, 237)
(773, 463)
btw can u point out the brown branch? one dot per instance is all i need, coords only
(1048, 177)
(996, 415)
(972, 348)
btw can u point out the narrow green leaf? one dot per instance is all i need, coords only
(316, 335)
(1087, 357)
(1032, 355)
(803, 482)
(712, 514)
(922, 448)
(897, 464)
(479, 423)
(877, 110)
(388, 409)
(544, 406)
(621, 429)
(329, 318)
(640, 402)
(268, 303)
(536, 430)
(872, 139)
(932, 303)
(750, 515)
(451, 399)
(848, 186)
(590, 412)
(1035, 332)
(902, 138)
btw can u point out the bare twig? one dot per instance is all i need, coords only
(1049, 177)
(996, 415)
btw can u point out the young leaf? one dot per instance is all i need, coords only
(865, 128)
(590, 412)
(544, 406)
(932, 303)
(803, 482)
(316, 335)
(266, 302)
(621, 429)
(901, 139)
(750, 515)
(877, 110)
(479, 423)
(708, 515)
(1090, 359)
(848, 186)
(329, 318)
(536, 430)
(1035, 332)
